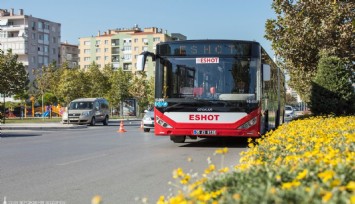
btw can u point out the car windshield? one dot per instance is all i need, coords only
(83, 105)
(288, 108)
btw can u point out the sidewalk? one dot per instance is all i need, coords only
(39, 126)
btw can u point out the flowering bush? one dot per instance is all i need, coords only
(304, 161)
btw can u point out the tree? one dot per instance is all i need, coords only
(140, 90)
(290, 99)
(332, 91)
(303, 28)
(72, 85)
(120, 84)
(13, 75)
(97, 81)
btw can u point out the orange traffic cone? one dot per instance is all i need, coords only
(121, 128)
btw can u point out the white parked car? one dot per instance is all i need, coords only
(289, 112)
(148, 120)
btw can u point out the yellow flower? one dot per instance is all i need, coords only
(352, 199)
(221, 151)
(178, 173)
(302, 174)
(96, 200)
(161, 200)
(327, 196)
(351, 186)
(210, 168)
(273, 148)
(179, 199)
(236, 196)
(224, 170)
(185, 180)
(287, 185)
(326, 175)
(278, 178)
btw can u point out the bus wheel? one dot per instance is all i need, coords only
(178, 139)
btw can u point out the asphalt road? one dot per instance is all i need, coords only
(72, 166)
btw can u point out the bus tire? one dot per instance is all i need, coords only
(178, 139)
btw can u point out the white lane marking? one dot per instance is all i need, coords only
(81, 160)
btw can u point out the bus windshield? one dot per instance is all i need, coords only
(211, 78)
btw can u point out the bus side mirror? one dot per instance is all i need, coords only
(142, 58)
(266, 72)
(141, 62)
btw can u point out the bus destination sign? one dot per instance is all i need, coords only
(212, 48)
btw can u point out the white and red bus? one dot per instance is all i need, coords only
(215, 88)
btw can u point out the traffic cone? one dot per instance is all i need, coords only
(121, 128)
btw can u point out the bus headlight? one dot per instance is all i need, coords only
(248, 124)
(162, 122)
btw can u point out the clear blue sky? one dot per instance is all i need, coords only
(196, 19)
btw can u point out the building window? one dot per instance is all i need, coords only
(54, 39)
(145, 48)
(106, 42)
(157, 39)
(106, 58)
(87, 51)
(54, 51)
(33, 36)
(46, 37)
(86, 59)
(136, 49)
(98, 50)
(40, 37)
(87, 43)
(98, 58)
(33, 25)
(127, 48)
(106, 50)
(45, 61)
(135, 40)
(98, 42)
(45, 49)
(127, 57)
(40, 25)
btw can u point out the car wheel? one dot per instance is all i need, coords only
(146, 129)
(178, 139)
(105, 122)
(93, 121)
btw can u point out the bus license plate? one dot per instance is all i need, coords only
(205, 132)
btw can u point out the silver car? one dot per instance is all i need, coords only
(148, 120)
(289, 112)
(87, 111)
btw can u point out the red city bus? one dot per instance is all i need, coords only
(215, 88)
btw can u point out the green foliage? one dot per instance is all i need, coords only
(332, 91)
(97, 82)
(13, 74)
(303, 28)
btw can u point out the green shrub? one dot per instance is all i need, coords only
(332, 91)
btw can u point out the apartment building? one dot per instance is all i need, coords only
(69, 53)
(120, 47)
(36, 41)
